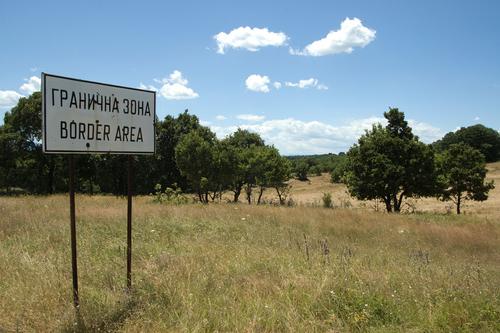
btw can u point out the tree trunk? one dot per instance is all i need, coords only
(388, 205)
(396, 206)
(260, 195)
(458, 203)
(249, 195)
(237, 193)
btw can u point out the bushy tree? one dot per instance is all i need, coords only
(390, 164)
(195, 157)
(240, 146)
(462, 172)
(270, 170)
(339, 169)
(301, 170)
(168, 134)
(480, 137)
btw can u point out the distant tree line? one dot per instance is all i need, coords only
(388, 163)
(189, 156)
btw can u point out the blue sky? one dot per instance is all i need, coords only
(438, 61)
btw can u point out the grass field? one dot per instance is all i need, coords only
(241, 268)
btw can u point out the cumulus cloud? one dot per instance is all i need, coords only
(174, 87)
(251, 39)
(250, 117)
(31, 85)
(258, 83)
(220, 117)
(309, 83)
(148, 87)
(352, 34)
(261, 83)
(9, 98)
(292, 136)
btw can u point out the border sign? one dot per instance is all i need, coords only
(86, 117)
(82, 117)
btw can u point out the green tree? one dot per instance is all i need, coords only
(168, 134)
(339, 169)
(277, 172)
(195, 157)
(35, 171)
(390, 164)
(8, 158)
(301, 169)
(267, 169)
(484, 139)
(240, 147)
(461, 175)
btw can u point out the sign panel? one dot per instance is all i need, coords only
(90, 117)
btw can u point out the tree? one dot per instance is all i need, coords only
(194, 155)
(34, 171)
(339, 169)
(484, 139)
(277, 172)
(462, 171)
(390, 164)
(168, 134)
(8, 158)
(267, 169)
(301, 170)
(240, 147)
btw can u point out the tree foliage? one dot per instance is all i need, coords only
(462, 172)
(390, 164)
(484, 139)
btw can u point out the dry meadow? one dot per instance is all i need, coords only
(241, 268)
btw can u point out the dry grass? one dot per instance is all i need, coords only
(244, 268)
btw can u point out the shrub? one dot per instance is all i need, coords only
(327, 200)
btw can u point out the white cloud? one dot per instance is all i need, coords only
(292, 136)
(309, 83)
(476, 118)
(31, 85)
(147, 87)
(352, 33)
(426, 132)
(250, 117)
(9, 98)
(258, 83)
(220, 117)
(174, 87)
(251, 39)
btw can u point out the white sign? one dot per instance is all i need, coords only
(90, 117)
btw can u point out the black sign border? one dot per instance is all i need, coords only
(44, 111)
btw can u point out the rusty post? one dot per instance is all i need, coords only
(74, 266)
(129, 223)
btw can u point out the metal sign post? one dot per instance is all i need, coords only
(74, 266)
(86, 117)
(129, 223)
